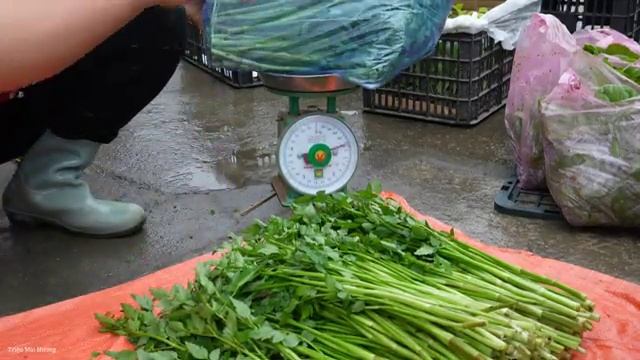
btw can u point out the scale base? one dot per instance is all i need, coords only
(287, 196)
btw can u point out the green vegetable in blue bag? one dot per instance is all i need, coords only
(367, 42)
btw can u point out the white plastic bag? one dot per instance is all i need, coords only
(503, 23)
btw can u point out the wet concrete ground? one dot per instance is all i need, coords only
(203, 152)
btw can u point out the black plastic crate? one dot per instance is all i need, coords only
(621, 15)
(513, 200)
(462, 83)
(197, 53)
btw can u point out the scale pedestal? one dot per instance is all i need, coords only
(317, 151)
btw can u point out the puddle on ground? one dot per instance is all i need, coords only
(202, 135)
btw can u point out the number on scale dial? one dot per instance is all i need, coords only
(318, 153)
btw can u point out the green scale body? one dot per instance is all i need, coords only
(320, 154)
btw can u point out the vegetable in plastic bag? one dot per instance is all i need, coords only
(544, 51)
(592, 145)
(615, 93)
(619, 57)
(605, 37)
(367, 42)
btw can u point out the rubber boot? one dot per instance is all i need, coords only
(47, 188)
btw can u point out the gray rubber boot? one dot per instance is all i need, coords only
(47, 188)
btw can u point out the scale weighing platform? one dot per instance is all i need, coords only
(317, 150)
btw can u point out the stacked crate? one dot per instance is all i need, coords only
(197, 53)
(621, 15)
(463, 82)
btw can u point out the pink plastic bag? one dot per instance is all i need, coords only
(592, 146)
(544, 51)
(543, 54)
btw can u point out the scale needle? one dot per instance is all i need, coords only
(304, 156)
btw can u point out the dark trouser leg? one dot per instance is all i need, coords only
(102, 92)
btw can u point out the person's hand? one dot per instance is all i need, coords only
(194, 11)
(193, 8)
(167, 3)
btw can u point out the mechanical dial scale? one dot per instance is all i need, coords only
(317, 150)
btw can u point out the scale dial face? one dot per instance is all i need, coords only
(318, 153)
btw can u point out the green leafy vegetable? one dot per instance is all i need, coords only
(158, 355)
(592, 49)
(614, 93)
(214, 355)
(241, 309)
(122, 355)
(197, 351)
(632, 73)
(459, 10)
(425, 250)
(352, 276)
(269, 249)
(620, 51)
(623, 53)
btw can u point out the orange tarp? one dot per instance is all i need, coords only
(67, 330)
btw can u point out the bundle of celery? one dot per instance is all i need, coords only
(354, 277)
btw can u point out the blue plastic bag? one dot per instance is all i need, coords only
(367, 42)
